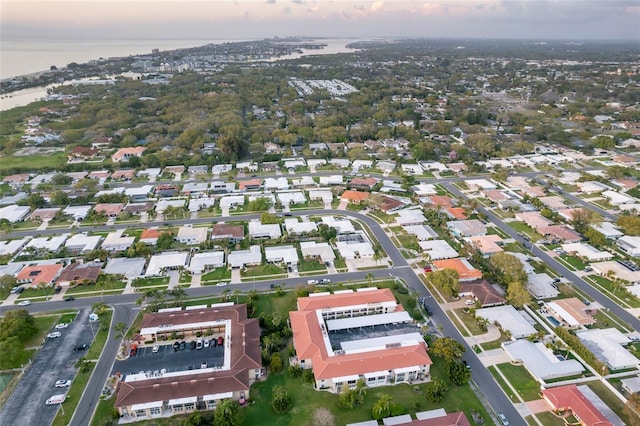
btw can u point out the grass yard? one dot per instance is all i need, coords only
(574, 261)
(185, 279)
(150, 282)
(218, 274)
(35, 162)
(104, 410)
(356, 207)
(528, 388)
(608, 286)
(610, 399)
(311, 265)
(263, 270)
(44, 324)
(458, 325)
(546, 418)
(514, 248)
(525, 229)
(101, 328)
(408, 241)
(4, 380)
(91, 288)
(469, 320)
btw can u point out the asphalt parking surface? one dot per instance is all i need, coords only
(167, 358)
(55, 361)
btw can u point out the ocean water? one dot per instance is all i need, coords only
(19, 57)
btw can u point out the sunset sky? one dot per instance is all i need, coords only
(217, 19)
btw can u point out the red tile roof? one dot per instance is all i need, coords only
(150, 233)
(441, 200)
(354, 195)
(457, 212)
(451, 419)
(464, 273)
(570, 397)
(345, 299)
(39, 274)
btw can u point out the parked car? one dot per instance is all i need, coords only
(69, 299)
(19, 290)
(199, 344)
(183, 345)
(54, 335)
(155, 349)
(221, 284)
(62, 325)
(503, 419)
(63, 383)
(325, 281)
(58, 289)
(207, 343)
(469, 302)
(193, 345)
(24, 303)
(14, 290)
(312, 282)
(81, 347)
(176, 346)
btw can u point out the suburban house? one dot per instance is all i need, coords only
(354, 196)
(109, 209)
(39, 274)
(80, 273)
(190, 235)
(365, 184)
(233, 233)
(287, 255)
(483, 292)
(560, 232)
(540, 361)
(81, 153)
(143, 397)
(466, 272)
(328, 338)
(570, 397)
(466, 228)
(150, 236)
(241, 258)
(123, 154)
(258, 230)
(201, 262)
(572, 312)
(629, 245)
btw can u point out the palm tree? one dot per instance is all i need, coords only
(121, 330)
(236, 293)
(369, 278)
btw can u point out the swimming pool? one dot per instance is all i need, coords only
(553, 321)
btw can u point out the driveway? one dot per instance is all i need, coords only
(55, 361)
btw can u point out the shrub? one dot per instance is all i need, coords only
(294, 371)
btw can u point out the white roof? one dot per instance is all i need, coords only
(215, 396)
(258, 230)
(587, 251)
(232, 200)
(361, 163)
(368, 321)
(607, 345)
(267, 195)
(350, 249)
(481, 183)
(425, 189)
(286, 254)
(294, 226)
(438, 249)
(115, 241)
(397, 420)
(78, 212)
(540, 286)
(10, 247)
(83, 242)
(293, 197)
(380, 343)
(540, 361)
(119, 190)
(196, 204)
(342, 162)
(510, 319)
(422, 232)
(45, 243)
(200, 261)
(187, 400)
(431, 414)
(14, 213)
(276, 183)
(321, 250)
(410, 216)
(325, 194)
(164, 203)
(129, 267)
(195, 187)
(142, 190)
(238, 259)
(166, 260)
(618, 198)
(145, 405)
(342, 225)
(192, 233)
(151, 172)
(608, 229)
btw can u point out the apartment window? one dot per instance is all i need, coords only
(178, 408)
(154, 411)
(141, 413)
(400, 377)
(190, 406)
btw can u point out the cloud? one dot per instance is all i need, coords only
(377, 5)
(286, 10)
(271, 2)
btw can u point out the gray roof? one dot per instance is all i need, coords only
(540, 361)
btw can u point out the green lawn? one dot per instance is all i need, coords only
(4, 380)
(525, 229)
(514, 248)
(311, 265)
(470, 321)
(101, 328)
(92, 288)
(356, 207)
(610, 399)
(73, 398)
(221, 273)
(607, 285)
(578, 264)
(34, 162)
(546, 418)
(185, 278)
(262, 270)
(44, 324)
(528, 388)
(458, 324)
(104, 410)
(408, 241)
(150, 282)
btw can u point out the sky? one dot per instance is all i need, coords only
(245, 19)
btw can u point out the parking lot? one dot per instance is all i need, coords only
(168, 359)
(55, 361)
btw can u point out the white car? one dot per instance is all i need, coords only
(62, 325)
(24, 303)
(311, 282)
(63, 383)
(155, 349)
(469, 302)
(221, 284)
(54, 335)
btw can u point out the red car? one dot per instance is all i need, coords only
(220, 341)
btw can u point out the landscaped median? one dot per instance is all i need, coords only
(85, 367)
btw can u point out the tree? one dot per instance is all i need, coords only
(632, 409)
(269, 218)
(226, 413)
(517, 294)
(7, 282)
(382, 407)
(582, 218)
(59, 198)
(369, 277)
(17, 323)
(34, 201)
(447, 348)
(5, 225)
(328, 233)
(630, 224)
(323, 417)
(445, 280)
(276, 363)
(347, 398)
(120, 330)
(61, 179)
(260, 204)
(435, 391)
(280, 400)
(13, 353)
(507, 268)
(458, 373)
(165, 241)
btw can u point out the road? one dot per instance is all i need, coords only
(613, 307)
(401, 269)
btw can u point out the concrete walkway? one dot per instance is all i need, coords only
(174, 279)
(196, 281)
